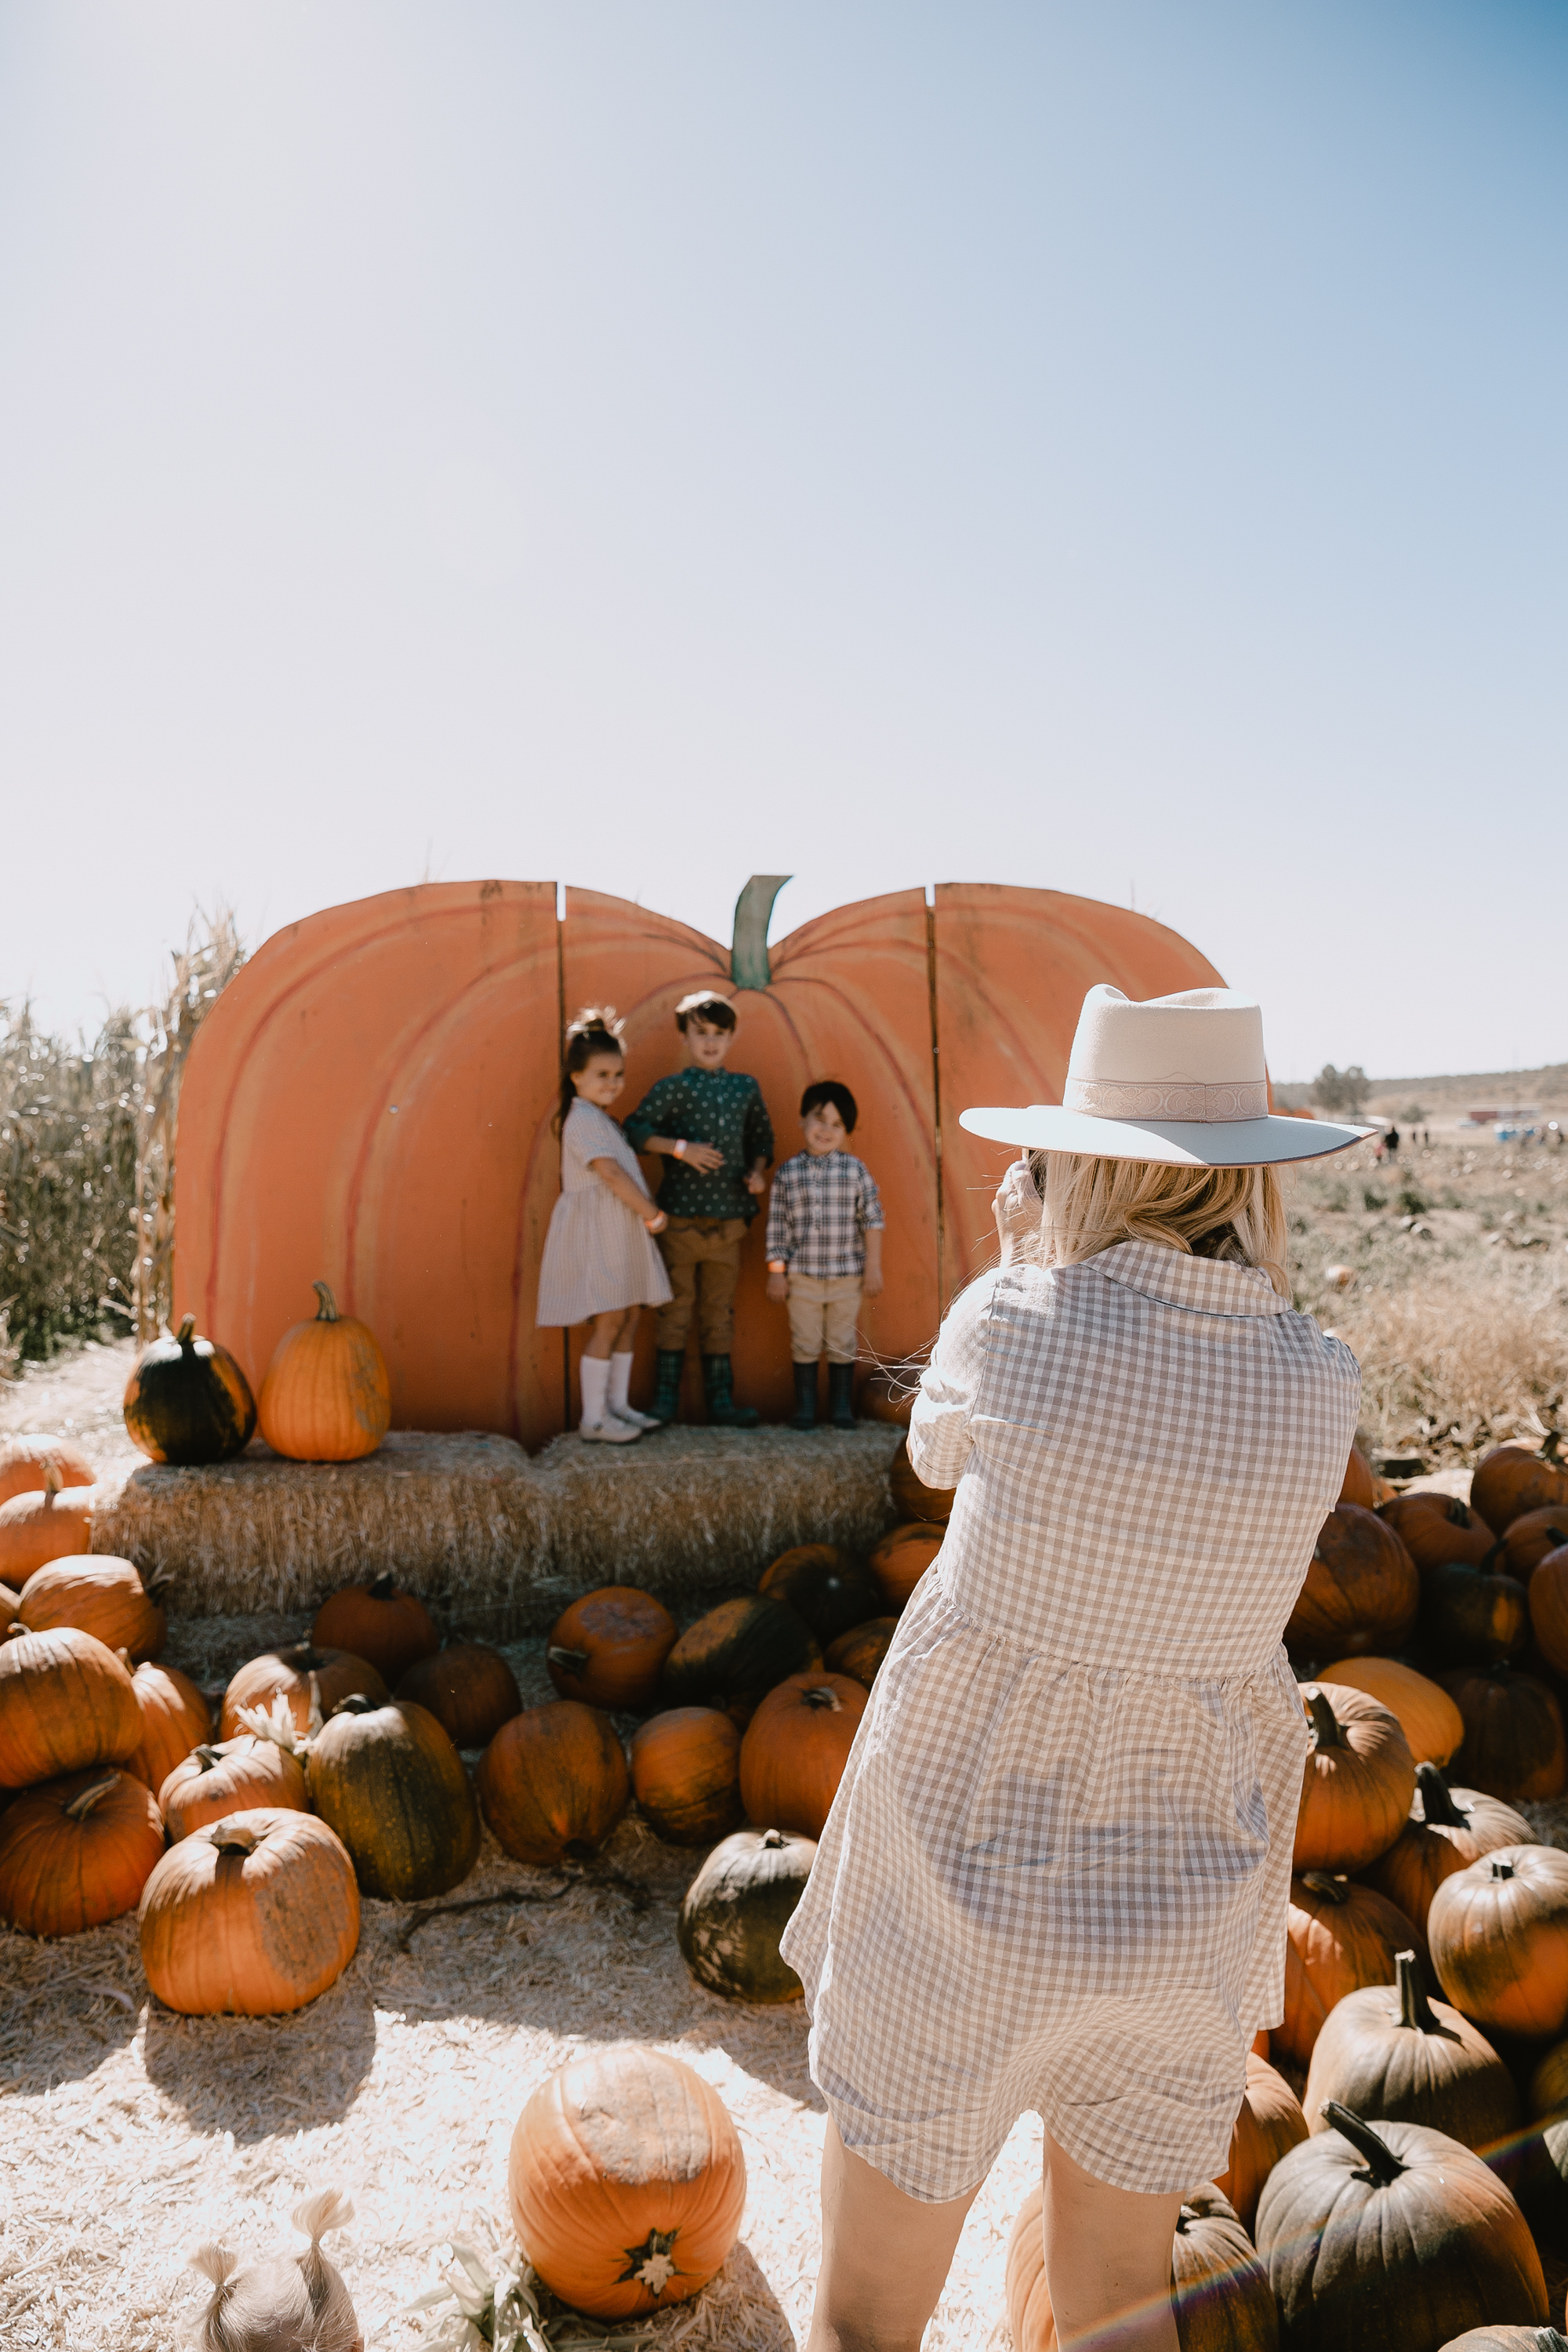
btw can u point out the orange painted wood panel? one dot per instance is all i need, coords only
(1012, 968)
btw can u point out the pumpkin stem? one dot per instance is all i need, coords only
(83, 1804)
(356, 1703)
(327, 1312)
(186, 1330)
(821, 1695)
(1327, 1731)
(233, 1836)
(771, 1838)
(571, 1661)
(1437, 1804)
(1549, 2339)
(1324, 1883)
(1502, 1870)
(207, 1755)
(1415, 2009)
(51, 1483)
(382, 1587)
(1186, 2218)
(1382, 2166)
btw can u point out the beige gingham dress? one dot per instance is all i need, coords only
(1057, 1870)
(597, 1255)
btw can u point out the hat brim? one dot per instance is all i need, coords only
(1169, 1142)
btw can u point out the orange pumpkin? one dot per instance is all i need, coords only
(37, 1527)
(326, 1396)
(902, 1558)
(1387, 2049)
(861, 1652)
(1449, 1829)
(627, 2181)
(187, 1400)
(1428, 1718)
(824, 1587)
(1360, 1485)
(1362, 1590)
(252, 1915)
(101, 1596)
(1548, 1605)
(1500, 1940)
(312, 1680)
(10, 1601)
(26, 1463)
(468, 1689)
(553, 1783)
(1520, 1549)
(240, 1776)
(795, 1749)
(1340, 1937)
(1436, 1529)
(1357, 1783)
(609, 1648)
(1513, 1746)
(1512, 1480)
(379, 1622)
(686, 1775)
(1548, 2096)
(1218, 2286)
(174, 1717)
(66, 1703)
(912, 1498)
(77, 1850)
(1268, 2121)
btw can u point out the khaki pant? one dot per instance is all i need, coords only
(703, 1258)
(823, 1313)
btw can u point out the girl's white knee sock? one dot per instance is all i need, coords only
(594, 1374)
(620, 1382)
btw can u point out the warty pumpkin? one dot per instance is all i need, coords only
(912, 1498)
(187, 1402)
(1449, 1829)
(378, 1622)
(626, 2181)
(66, 1703)
(1339, 1936)
(1521, 1549)
(26, 1463)
(1362, 1590)
(795, 1748)
(1391, 2236)
(1513, 1746)
(1436, 1529)
(1219, 2289)
(103, 1597)
(1498, 1932)
(77, 1850)
(251, 1915)
(608, 1649)
(37, 1527)
(245, 1775)
(824, 1587)
(736, 1653)
(736, 1909)
(902, 1558)
(312, 1680)
(1428, 1718)
(326, 1396)
(1471, 1617)
(174, 1717)
(686, 1774)
(1357, 1783)
(1269, 2121)
(1512, 1480)
(1388, 2051)
(553, 1783)
(861, 1652)
(392, 1785)
(468, 1689)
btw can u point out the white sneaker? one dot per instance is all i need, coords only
(637, 1421)
(608, 1432)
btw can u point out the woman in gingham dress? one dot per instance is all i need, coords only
(1057, 1871)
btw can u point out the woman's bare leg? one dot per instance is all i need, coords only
(885, 2257)
(1108, 2262)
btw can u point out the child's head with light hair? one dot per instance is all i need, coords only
(295, 2302)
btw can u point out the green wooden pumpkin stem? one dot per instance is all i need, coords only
(1379, 2158)
(1437, 1804)
(327, 1312)
(186, 1330)
(82, 1804)
(1324, 1883)
(1327, 1731)
(1415, 2009)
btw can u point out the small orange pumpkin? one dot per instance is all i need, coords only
(1340, 1937)
(1430, 1721)
(1525, 1543)
(77, 1850)
(1361, 1592)
(26, 1463)
(102, 1596)
(1513, 1746)
(326, 1396)
(1269, 2121)
(553, 1783)
(249, 1774)
(1357, 1783)
(468, 1689)
(174, 1717)
(861, 1652)
(1513, 1479)
(1437, 1528)
(1360, 1485)
(312, 1680)
(1385, 2050)
(1548, 1605)
(627, 2183)
(902, 1558)
(52, 1523)
(1500, 1940)
(795, 1749)
(1449, 1829)
(66, 1703)
(686, 1774)
(379, 1622)
(252, 1915)
(912, 1499)
(608, 1649)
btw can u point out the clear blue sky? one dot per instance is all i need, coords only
(1117, 448)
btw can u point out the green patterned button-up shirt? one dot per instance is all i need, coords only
(724, 1107)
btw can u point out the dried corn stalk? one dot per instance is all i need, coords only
(203, 969)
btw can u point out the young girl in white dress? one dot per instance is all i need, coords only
(600, 1265)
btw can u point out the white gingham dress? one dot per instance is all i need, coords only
(597, 1255)
(1056, 1872)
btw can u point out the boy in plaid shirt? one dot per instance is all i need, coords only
(825, 1250)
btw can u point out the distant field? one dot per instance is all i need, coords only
(1449, 1099)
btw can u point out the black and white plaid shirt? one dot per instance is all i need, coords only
(823, 1206)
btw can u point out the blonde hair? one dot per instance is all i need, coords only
(295, 2302)
(1090, 1204)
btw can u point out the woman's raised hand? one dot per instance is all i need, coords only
(1016, 1208)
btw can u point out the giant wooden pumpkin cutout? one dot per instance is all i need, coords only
(370, 1101)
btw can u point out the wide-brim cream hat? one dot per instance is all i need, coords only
(1180, 1080)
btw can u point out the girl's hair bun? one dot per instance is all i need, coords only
(596, 1021)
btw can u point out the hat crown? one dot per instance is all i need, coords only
(1202, 1038)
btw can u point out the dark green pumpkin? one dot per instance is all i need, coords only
(733, 1656)
(1392, 2236)
(389, 1780)
(824, 1587)
(737, 1907)
(1472, 1618)
(187, 1402)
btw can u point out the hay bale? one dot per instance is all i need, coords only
(497, 1540)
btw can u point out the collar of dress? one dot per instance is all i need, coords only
(1204, 1286)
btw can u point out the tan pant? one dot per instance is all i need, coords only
(703, 1258)
(823, 1313)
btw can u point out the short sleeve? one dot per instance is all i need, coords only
(939, 1438)
(644, 1120)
